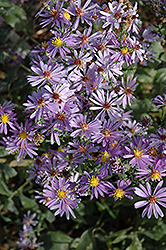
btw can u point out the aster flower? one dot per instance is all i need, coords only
(7, 119)
(59, 196)
(28, 220)
(60, 43)
(46, 73)
(122, 190)
(108, 104)
(139, 152)
(78, 60)
(82, 148)
(107, 69)
(121, 51)
(19, 141)
(57, 95)
(133, 128)
(161, 101)
(159, 138)
(109, 133)
(84, 128)
(152, 199)
(156, 172)
(134, 22)
(106, 155)
(127, 90)
(52, 14)
(86, 79)
(49, 127)
(85, 40)
(114, 15)
(95, 182)
(37, 105)
(137, 50)
(82, 13)
(6, 107)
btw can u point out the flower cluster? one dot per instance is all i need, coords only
(27, 238)
(80, 105)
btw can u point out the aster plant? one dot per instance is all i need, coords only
(79, 114)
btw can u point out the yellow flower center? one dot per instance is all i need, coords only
(114, 144)
(4, 118)
(124, 51)
(93, 182)
(15, 57)
(61, 194)
(23, 135)
(154, 151)
(66, 15)
(105, 157)
(119, 193)
(57, 42)
(138, 153)
(155, 175)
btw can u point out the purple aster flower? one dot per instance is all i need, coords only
(160, 100)
(82, 13)
(86, 79)
(154, 173)
(60, 43)
(49, 127)
(134, 22)
(107, 103)
(109, 133)
(59, 196)
(38, 105)
(121, 190)
(6, 107)
(52, 14)
(133, 128)
(105, 157)
(19, 141)
(114, 15)
(159, 138)
(107, 69)
(46, 73)
(78, 60)
(28, 220)
(84, 128)
(152, 199)
(7, 119)
(58, 93)
(82, 148)
(139, 152)
(95, 182)
(127, 90)
(85, 40)
(137, 50)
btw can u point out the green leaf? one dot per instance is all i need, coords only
(56, 240)
(50, 216)
(28, 203)
(14, 15)
(3, 152)
(4, 188)
(11, 207)
(85, 240)
(8, 172)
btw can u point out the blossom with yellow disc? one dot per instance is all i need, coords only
(95, 183)
(122, 190)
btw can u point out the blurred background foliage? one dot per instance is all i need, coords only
(100, 224)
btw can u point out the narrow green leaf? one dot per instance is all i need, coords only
(85, 240)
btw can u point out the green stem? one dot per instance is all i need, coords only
(22, 65)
